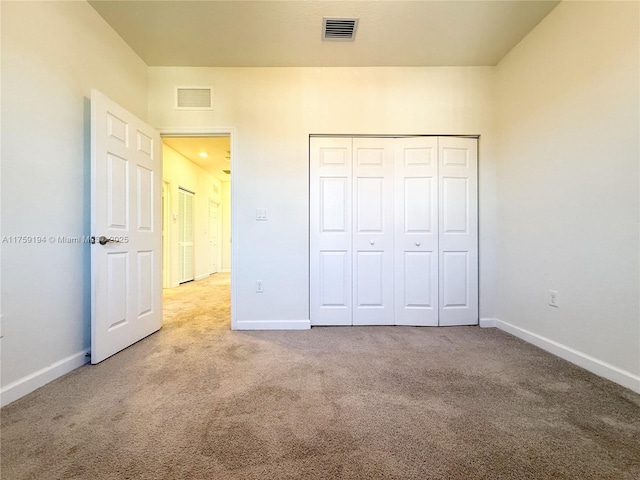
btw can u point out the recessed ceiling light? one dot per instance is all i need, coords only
(203, 154)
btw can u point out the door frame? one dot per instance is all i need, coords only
(218, 229)
(233, 183)
(166, 218)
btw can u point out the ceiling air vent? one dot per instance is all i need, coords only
(339, 28)
(194, 98)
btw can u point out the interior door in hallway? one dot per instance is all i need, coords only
(126, 257)
(185, 234)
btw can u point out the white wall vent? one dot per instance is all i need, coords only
(194, 98)
(339, 28)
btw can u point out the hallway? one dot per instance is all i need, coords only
(204, 304)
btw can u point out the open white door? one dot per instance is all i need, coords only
(126, 266)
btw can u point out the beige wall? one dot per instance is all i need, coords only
(568, 192)
(179, 171)
(53, 54)
(273, 111)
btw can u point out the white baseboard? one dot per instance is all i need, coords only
(273, 325)
(33, 381)
(225, 270)
(600, 368)
(487, 322)
(202, 277)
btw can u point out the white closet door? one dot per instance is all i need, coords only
(373, 292)
(416, 231)
(330, 231)
(458, 159)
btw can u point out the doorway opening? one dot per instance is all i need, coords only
(196, 216)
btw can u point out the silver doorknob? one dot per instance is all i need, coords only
(372, 242)
(104, 240)
(418, 244)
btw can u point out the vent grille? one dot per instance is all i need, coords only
(228, 172)
(339, 28)
(194, 98)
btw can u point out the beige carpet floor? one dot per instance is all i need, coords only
(198, 401)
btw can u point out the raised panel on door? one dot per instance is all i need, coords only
(418, 271)
(334, 289)
(373, 274)
(458, 235)
(146, 273)
(416, 231)
(117, 192)
(455, 275)
(333, 213)
(330, 204)
(145, 197)
(117, 288)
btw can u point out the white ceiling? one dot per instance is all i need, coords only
(218, 152)
(266, 33)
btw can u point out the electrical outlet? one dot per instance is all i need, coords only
(553, 298)
(259, 286)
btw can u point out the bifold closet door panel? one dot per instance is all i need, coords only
(330, 236)
(416, 231)
(373, 275)
(458, 230)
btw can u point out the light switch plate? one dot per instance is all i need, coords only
(261, 214)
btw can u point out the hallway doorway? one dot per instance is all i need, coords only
(197, 167)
